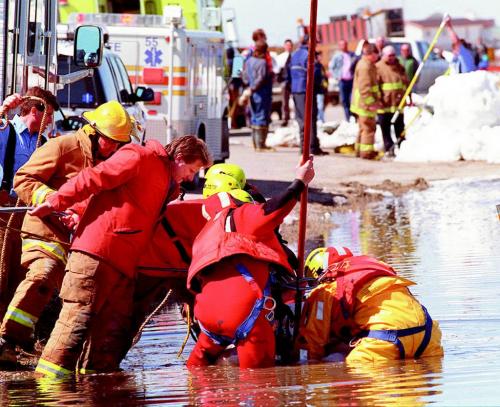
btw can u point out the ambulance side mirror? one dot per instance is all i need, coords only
(143, 94)
(88, 46)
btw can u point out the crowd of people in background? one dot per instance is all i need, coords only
(369, 92)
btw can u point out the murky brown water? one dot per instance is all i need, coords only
(446, 239)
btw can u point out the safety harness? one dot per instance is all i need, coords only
(246, 326)
(393, 335)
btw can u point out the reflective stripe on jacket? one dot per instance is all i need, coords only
(50, 166)
(393, 81)
(366, 90)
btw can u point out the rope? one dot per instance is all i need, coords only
(188, 333)
(30, 234)
(3, 263)
(141, 328)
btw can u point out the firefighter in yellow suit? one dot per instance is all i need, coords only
(363, 309)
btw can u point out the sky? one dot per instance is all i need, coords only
(279, 17)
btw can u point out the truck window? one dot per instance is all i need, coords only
(122, 79)
(85, 93)
(108, 80)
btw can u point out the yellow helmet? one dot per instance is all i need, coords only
(233, 170)
(113, 121)
(219, 183)
(241, 195)
(322, 258)
(314, 264)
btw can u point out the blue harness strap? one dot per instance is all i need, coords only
(393, 335)
(246, 326)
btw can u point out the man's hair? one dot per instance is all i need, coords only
(190, 149)
(46, 95)
(260, 49)
(258, 34)
(369, 49)
(288, 40)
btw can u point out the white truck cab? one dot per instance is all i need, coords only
(110, 81)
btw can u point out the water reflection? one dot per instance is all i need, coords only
(445, 239)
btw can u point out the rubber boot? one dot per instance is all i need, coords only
(262, 136)
(255, 138)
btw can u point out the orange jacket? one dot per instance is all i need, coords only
(128, 192)
(47, 170)
(393, 81)
(247, 229)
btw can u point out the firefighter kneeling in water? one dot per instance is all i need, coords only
(230, 273)
(362, 308)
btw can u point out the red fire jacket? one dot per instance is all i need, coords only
(127, 192)
(247, 229)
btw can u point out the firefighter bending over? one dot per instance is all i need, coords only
(364, 310)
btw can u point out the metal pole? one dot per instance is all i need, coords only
(307, 130)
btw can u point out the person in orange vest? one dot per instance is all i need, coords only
(128, 194)
(234, 258)
(363, 311)
(46, 242)
(393, 82)
(366, 101)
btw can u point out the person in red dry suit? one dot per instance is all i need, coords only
(230, 273)
(128, 193)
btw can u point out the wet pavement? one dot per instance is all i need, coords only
(445, 239)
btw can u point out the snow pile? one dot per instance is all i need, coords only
(284, 136)
(465, 124)
(345, 134)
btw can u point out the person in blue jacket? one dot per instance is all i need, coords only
(259, 78)
(18, 139)
(298, 77)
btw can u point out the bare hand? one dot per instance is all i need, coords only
(10, 102)
(42, 210)
(71, 220)
(305, 172)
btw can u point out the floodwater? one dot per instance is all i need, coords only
(446, 239)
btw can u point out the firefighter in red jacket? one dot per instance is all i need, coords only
(364, 310)
(128, 193)
(233, 257)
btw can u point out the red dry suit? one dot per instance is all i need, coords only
(232, 259)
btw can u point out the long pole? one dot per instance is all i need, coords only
(307, 130)
(419, 69)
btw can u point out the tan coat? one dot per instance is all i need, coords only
(393, 82)
(49, 168)
(365, 91)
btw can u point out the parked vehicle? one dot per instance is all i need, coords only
(110, 81)
(185, 69)
(433, 67)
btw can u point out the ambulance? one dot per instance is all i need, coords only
(185, 68)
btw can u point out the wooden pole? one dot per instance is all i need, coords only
(308, 119)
